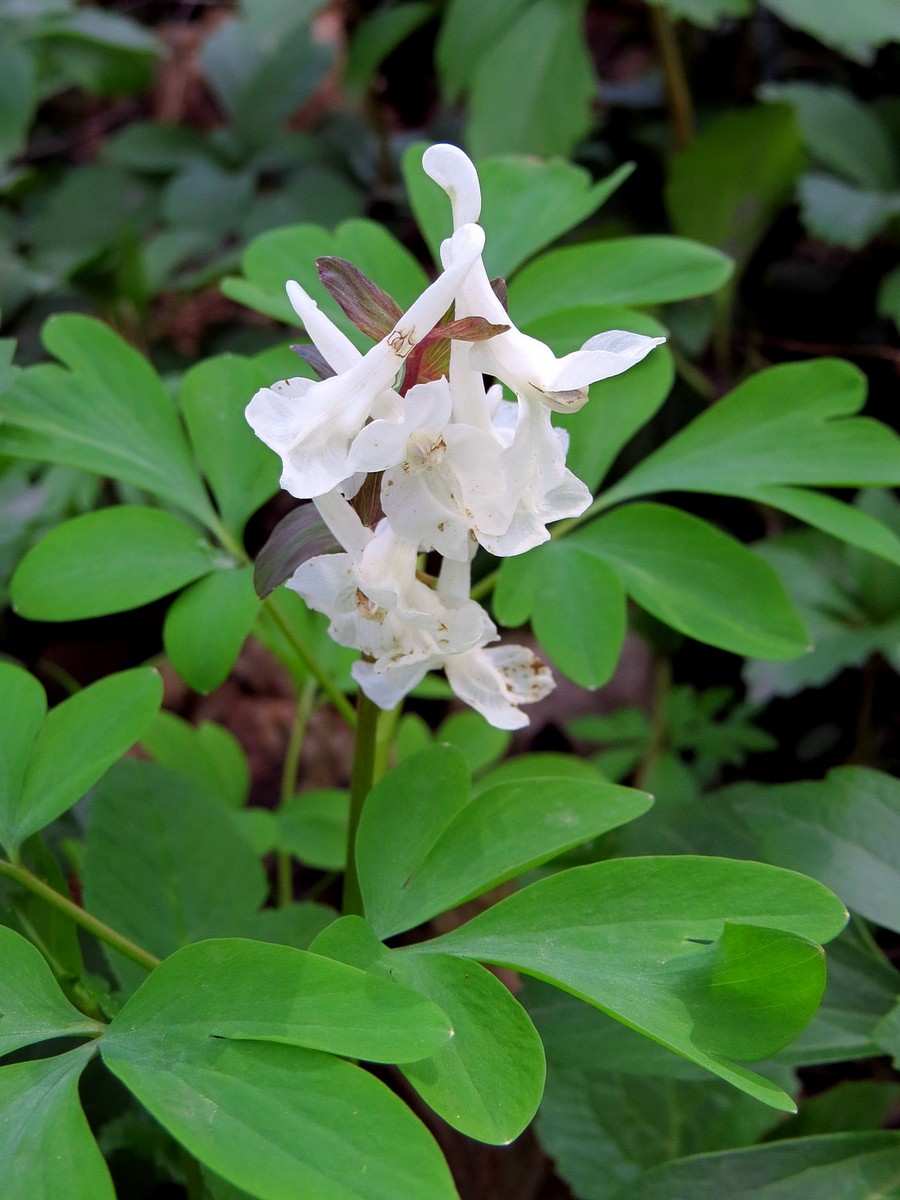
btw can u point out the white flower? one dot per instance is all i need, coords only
(442, 481)
(527, 366)
(376, 603)
(312, 423)
(494, 680)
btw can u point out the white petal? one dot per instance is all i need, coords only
(343, 521)
(331, 342)
(387, 688)
(602, 357)
(466, 246)
(455, 172)
(496, 680)
(377, 446)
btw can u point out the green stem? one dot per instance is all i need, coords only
(306, 702)
(364, 765)
(678, 92)
(318, 672)
(98, 928)
(659, 734)
(300, 648)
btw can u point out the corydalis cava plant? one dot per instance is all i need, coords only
(456, 465)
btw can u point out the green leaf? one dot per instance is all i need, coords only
(577, 604)
(380, 34)
(207, 625)
(480, 742)
(790, 424)
(486, 1081)
(851, 524)
(413, 865)
(862, 987)
(697, 580)
(24, 708)
(854, 31)
(726, 186)
(840, 132)
(617, 1104)
(242, 471)
(843, 830)
(526, 204)
(889, 296)
(263, 66)
(46, 1145)
(854, 1166)
(542, 60)
(142, 871)
(468, 28)
(203, 196)
(291, 252)
(707, 13)
(18, 99)
(283, 1121)
(270, 993)
(206, 754)
(154, 147)
(108, 412)
(313, 827)
(637, 271)
(620, 406)
(844, 215)
(78, 742)
(32, 1008)
(295, 925)
(677, 948)
(107, 561)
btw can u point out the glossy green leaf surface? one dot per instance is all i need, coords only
(208, 624)
(577, 606)
(242, 471)
(108, 561)
(412, 867)
(843, 830)
(283, 1121)
(207, 754)
(488, 1079)
(77, 743)
(790, 424)
(681, 949)
(637, 271)
(526, 204)
(313, 827)
(854, 31)
(32, 1008)
(142, 872)
(862, 988)
(24, 708)
(540, 58)
(726, 185)
(617, 1104)
(291, 252)
(273, 993)
(106, 410)
(840, 132)
(46, 1145)
(853, 1166)
(697, 579)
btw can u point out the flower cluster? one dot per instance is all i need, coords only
(456, 465)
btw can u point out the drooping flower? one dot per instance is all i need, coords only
(443, 482)
(311, 423)
(526, 365)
